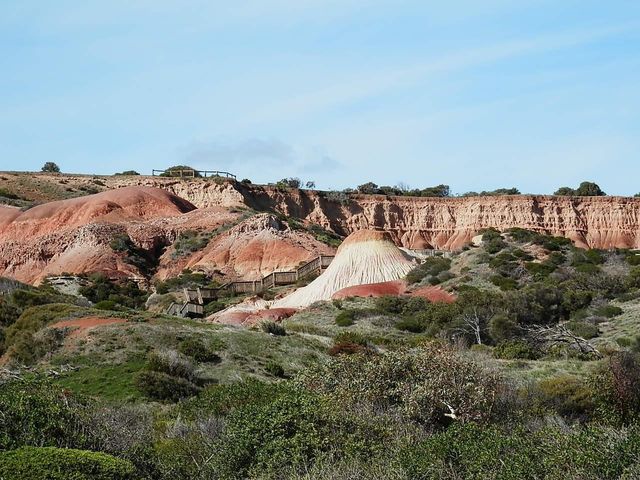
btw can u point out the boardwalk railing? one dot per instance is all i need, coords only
(196, 298)
(314, 266)
(189, 173)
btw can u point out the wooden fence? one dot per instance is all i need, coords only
(189, 173)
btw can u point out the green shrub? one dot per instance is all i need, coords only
(273, 328)
(617, 388)
(468, 451)
(540, 271)
(221, 400)
(21, 342)
(430, 267)
(290, 433)
(275, 369)
(7, 194)
(389, 304)
(505, 283)
(345, 318)
(515, 349)
(633, 258)
(263, 439)
(106, 305)
(522, 235)
(197, 350)
(351, 337)
(502, 327)
(39, 463)
(418, 384)
(171, 363)
(583, 329)
(608, 311)
(161, 386)
(37, 412)
(213, 307)
(125, 293)
(568, 395)
(411, 324)
(181, 170)
(190, 241)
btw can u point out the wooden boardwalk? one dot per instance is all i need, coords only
(195, 299)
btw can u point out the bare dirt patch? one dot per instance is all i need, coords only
(82, 325)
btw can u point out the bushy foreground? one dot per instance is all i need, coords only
(428, 412)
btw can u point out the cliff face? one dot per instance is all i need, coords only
(450, 223)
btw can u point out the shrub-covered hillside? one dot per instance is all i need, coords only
(532, 372)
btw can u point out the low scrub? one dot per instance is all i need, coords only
(38, 463)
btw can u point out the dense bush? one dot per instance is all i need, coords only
(492, 241)
(37, 412)
(273, 328)
(186, 279)
(617, 388)
(583, 329)
(132, 254)
(190, 241)
(168, 376)
(161, 386)
(180, 170)
(101, 289)
(427, 384)
(275, 369)
(21, 340)
(504, 283)
(568, 396)
(345, 318)
(515, 349)
(474, 452)
(50, 167)
(291, 432)
(197, 350)
(432, 267)
(38, 463)
(608, 311)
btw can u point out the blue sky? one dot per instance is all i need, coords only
(475, 94)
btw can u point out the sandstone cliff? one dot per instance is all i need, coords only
(450, 223)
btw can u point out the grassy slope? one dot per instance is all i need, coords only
(108, 358)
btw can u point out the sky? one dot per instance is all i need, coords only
(479, 95)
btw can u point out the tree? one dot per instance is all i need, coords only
(437, 191)
(128, 172)
(310, 184)
(565, 192)
(291, 182)
(50, 167)
(179, 171)
(368, 188)
(589, 189)
(586, 189)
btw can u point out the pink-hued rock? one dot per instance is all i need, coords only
(397, 287)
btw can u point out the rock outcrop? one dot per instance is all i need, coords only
(250, 250)
(365, 257)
